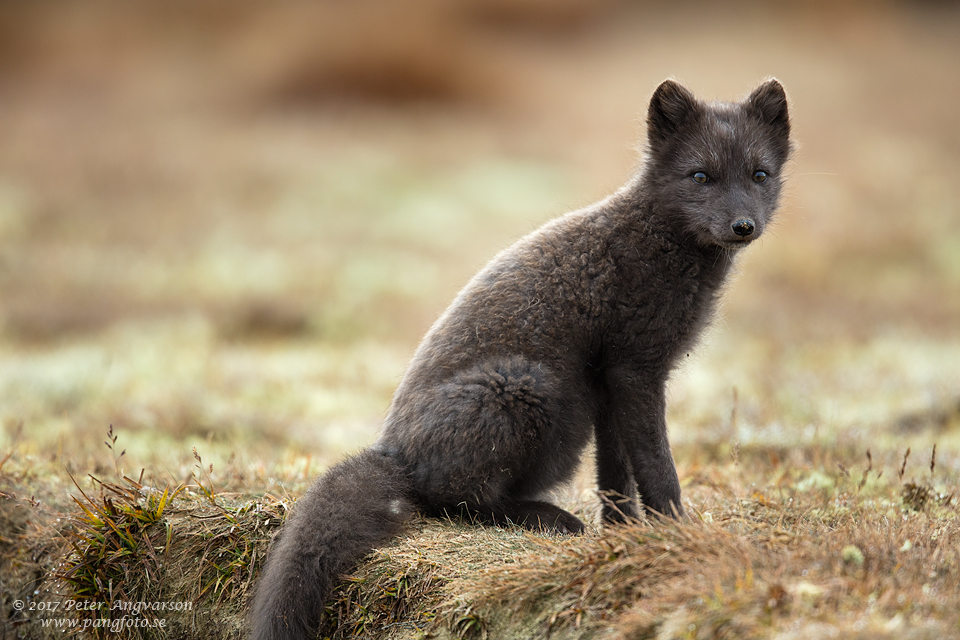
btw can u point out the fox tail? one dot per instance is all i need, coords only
(355, 507)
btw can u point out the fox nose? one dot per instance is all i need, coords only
(743, 227)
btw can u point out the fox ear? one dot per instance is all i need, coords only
(769, 103)
(672, 104)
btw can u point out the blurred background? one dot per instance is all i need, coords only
(226, 225)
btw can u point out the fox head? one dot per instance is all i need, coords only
(718, 166)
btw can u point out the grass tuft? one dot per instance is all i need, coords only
(186, 545)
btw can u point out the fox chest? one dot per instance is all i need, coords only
(659, 317)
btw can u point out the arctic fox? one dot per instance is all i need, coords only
(570, 333)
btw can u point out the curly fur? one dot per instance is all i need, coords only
(570, 333)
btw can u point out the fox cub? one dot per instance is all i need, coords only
(570, 333)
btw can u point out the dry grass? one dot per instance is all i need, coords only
(224, 228)
(828, 552)
(829, 542)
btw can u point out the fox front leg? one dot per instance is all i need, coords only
(634, 433)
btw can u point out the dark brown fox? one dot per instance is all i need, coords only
(570, 333)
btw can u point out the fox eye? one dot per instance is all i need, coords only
(701, 178)
(759, 176)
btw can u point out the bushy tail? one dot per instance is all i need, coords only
(355, 507)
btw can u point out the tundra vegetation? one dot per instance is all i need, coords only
(222, 232)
